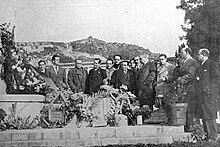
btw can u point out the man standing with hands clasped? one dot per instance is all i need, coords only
(207, 79)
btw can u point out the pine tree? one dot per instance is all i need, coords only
(202, 25)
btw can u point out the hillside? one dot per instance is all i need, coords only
(86, 49)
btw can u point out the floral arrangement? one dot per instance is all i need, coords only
(122, 102)
(19, 75)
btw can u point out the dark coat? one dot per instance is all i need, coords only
(57, 77)
(77, 79)
(146, 80)
(207, 79)
(119, 77)
(95, 80)
(186, 76)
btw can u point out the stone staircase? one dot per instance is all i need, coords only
(93, 136)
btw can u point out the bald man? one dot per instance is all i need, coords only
(207, 79)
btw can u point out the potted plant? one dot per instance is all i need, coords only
(176, 107)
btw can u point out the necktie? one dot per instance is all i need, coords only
(57, 67)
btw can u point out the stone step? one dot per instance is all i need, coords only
(145, 134)
(94, 142)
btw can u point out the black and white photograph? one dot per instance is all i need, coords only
(109, 73)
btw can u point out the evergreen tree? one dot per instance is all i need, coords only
(202, 25)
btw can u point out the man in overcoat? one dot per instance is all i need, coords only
(164, 69)
(185, 76)
(123, 77)
(57, 73)
(109, 71)
(96, 77)
(146, 80)
(207, 80)
(77, 77)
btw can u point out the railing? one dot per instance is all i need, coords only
(87, 65)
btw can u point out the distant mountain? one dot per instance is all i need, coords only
(95, 46)
(87, 49)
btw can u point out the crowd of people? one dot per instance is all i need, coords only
(145, 78)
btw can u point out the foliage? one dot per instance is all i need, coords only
(14, 121)
(198, 134)
(19, 75)
(171, 93)
(202, 25)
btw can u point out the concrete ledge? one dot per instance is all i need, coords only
(27, 105)
(22, 98)
(100, 136)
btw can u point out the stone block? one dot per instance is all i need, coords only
(51, 135)
(87, 133)
(5, 136)
(27, 105)
(148, 140)
(124, 141)
(93, 142)
(164, 139)
(5, 144)
(170, 130)
(184, 137)
(74, 143)
(19, 144)
(106, 133)
(20, 136)
(145, 132)
(36, 144)
(112, 141)
(125, 132)
(36, 135)
(70, 134)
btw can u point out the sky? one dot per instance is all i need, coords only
(152, 24)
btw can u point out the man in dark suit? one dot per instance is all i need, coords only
(146, 80)
(207, 80)
(117, 60)
(123, 78)
(77, 77)
(56, 73)
(185, 76)
(95, 78)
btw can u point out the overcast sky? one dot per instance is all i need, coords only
(153, 24)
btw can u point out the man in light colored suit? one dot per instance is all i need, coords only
(56, 73)
(164, 69)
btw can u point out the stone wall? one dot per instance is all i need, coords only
(100, 136)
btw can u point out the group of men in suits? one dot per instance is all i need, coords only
(199, 79)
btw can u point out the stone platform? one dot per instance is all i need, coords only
(100, 136)
(27, 104)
